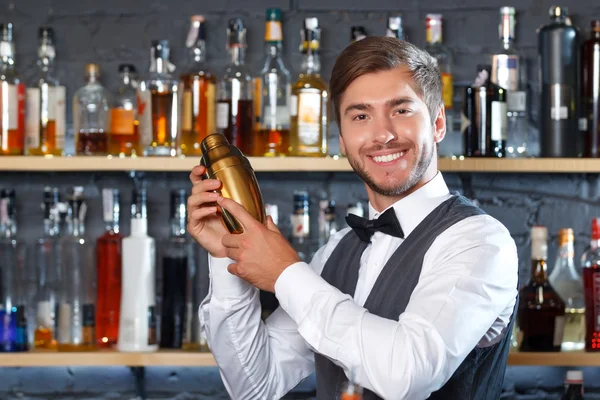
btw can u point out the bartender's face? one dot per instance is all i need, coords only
(386, 131)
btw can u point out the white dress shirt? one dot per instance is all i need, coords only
(464, 298)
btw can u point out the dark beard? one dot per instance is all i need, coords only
(416, 173)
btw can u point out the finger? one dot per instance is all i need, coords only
(207, 185)
(196, 174)
(239, 212)
(231, 241)
(271, 225)
(234, 254)
(200, 199)
(200, 213)
(233, 269)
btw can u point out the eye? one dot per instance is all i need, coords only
(359, 117)
(402, 111)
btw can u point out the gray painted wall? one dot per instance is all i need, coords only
(110, 32)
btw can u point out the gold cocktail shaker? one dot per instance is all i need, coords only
(225, 162)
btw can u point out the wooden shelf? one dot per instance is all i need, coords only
(192, 359)
(290, 164)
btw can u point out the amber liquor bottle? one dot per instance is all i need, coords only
(541, 313)
(108, 273)
(199, 92)
(124, 138)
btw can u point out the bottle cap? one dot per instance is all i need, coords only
(574, 377)
(161, 49)
(46, 33)
(565, 236)
(539, 233)
(197, 31)
(507, 10)
(595, 228)
(129, 68)
(595, 24)
(92, 70)
(273, 14)
(558, 12)
(110, 203)
(236, 33)
(395, 28)
(6, 30)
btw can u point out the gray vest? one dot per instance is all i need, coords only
(481, 374)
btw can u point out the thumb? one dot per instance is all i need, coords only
(271, 225)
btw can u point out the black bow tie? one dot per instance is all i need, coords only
(386, 223)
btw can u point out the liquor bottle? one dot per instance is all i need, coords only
(395, 27)
(486, 116)
(91, 114)
(199, 92)
(591, 91)
(451, 145)
(509, 72)
(46, 103)
(309, 103)
(176, 261)
(567, 282)
(108, 272)
(160, 99)
(273, 138)
(77, 296)
(12, 123)
(235, 114)
(327, 223)
(198, 283)
(541, 313)
(137, 323)
(357, 33)
(301, 225)
(13, 322)
(591, 289)
(124, 137)
(559, 53)
(573, 386)
(46, 264)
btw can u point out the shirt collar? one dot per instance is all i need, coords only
(413, 209)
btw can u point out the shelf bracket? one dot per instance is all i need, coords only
(139, 375)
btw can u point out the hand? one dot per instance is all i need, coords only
(204, 223)
(261, 253)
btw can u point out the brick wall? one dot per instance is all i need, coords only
(110, 32)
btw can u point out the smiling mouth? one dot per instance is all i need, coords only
(388, 157)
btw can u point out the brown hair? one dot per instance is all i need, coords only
(381, 53)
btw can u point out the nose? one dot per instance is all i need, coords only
(383, 130)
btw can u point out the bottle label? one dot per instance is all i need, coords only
(222, 115)
(122, 121)
(276, 118)
(273, 32)
(499, 120)
(187, 111)
(516, 101)
(447, 89)
(64, 323)
(293, 106)
(44, 315)
(152, 325)
(144, 104)
(560, 100)
(309, 114)
(596, 301)
(210, 107)
(433, 30)
(506, 71)
(14, 108)
(300, 225)
(57, 111)
(559, 329)
(32, 118)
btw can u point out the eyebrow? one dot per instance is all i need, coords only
(398, 101)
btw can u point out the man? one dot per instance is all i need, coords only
(416, 303)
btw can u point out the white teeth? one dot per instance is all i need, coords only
(388, 158)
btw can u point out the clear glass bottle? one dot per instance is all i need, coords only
(46, 264)
(46, 103)
(452, 143)
(108, 272)
(235, 108)
(567, 282)
(13, 278)
(509, 71)
(91, 114)
(274, 135)
(160, 96)
(124, 136)
(77, 296)
(199, 92)
(590, 262)
(309, 103)
(176, 261)
(12, 88)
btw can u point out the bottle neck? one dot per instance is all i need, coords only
(159, 66)
(237, 55)
(139, 226)
(178, 226)
(7, 55)
(539, 271)
(8, 230)
(111, 226)
(126, 79)
(91, 79)
(76, 228)
(273, 50)
(595, 243)
(51, 227)
(311, 63)
(198, 53)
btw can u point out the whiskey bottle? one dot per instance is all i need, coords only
(591, 289)
(567, 282)
(124, 137)
(137, 319)
(176, 262)
(273, 137)
(91, 114)
(199, 92)
(46, 103)
(573, 386)
(46, 265)
(12, 89)
(395, 27)
(77, 295)
(509, 72)
(13, 278)
(108, 272)
(235, 109)
(160, 97)
(541, 312)
(309, 105)
(591, 91)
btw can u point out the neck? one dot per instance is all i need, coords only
(111, 226)
(311, 64)
(198, 52)
(381, 202)
(237, 55)
(50, 227)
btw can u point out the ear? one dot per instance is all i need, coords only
(439, 125)
(342, 144)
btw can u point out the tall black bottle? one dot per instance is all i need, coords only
(559, 44)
